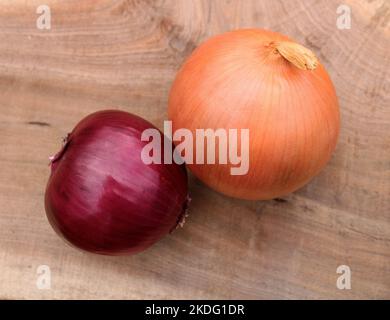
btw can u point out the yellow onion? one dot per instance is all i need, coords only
(277, 89)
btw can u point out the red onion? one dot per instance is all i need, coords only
(101, 197)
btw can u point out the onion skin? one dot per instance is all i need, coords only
(239, 80)
(102, 198)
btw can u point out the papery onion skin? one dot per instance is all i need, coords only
(238, 80)
(102, 198)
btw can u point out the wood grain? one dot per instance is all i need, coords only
(124, 54)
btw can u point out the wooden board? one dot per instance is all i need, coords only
(124, 54)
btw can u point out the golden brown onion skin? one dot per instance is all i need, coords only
(237, 80)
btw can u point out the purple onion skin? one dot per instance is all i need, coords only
(102, 198)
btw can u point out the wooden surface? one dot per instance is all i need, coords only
(125, 54)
